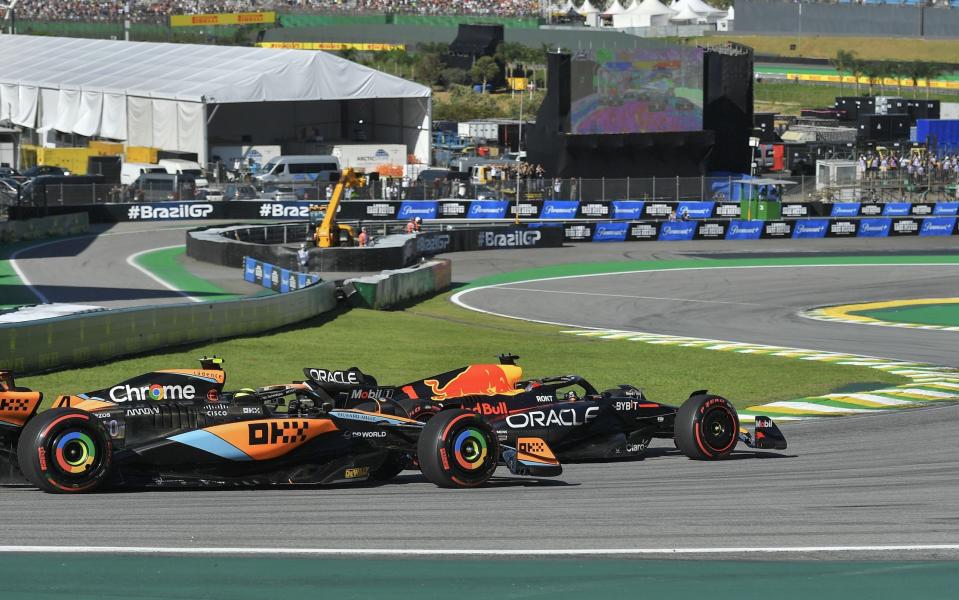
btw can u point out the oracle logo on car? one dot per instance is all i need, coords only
(567, 417)
(325, 376)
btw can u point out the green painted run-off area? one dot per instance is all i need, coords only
(167, 264)
(82, 576)
(926, 314)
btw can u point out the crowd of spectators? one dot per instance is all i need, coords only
(914, 166)
(160, 10)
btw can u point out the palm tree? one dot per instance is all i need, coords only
(933, 70)
(873, 71)
(899, 70)
(916, 70)
(857, 67)
(841, 62)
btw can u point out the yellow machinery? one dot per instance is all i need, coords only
(323, 217)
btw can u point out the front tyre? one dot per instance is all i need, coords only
(65, 450)
(706, 427)
(457, 449)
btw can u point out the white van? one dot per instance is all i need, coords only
(178, 166)
(322, 168)
(130, 172)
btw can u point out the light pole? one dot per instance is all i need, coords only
(519, 156)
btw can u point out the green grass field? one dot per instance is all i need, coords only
(12, 291)
(868, 48)
(435, 335)
(790, 97)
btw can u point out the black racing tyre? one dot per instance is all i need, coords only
(394, 464)
(706, 427)
(457, 449)
(65, 450)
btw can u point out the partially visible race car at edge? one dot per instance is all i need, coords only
(178, 427)
(575, 420)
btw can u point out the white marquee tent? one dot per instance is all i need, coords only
(180, 96)
(590, 12)
(647, 13)
(705, 11)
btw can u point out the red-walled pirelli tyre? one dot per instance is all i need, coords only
(65, 450)
(457, 449)
(706, 427)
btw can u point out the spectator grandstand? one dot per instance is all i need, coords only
(160, 10)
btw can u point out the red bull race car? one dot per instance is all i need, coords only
(179, 427)
(574, 420)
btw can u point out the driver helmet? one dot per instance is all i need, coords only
(571, 396)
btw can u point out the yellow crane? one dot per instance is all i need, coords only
(323, 216)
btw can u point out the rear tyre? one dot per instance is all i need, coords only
(457, 449)
(706, 427)
(65, 450)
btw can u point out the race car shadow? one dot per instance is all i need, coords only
(675, 453)
(494, 482)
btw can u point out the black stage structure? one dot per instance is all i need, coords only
(721, 145)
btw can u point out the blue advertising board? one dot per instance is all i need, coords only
(695, 210)
(933, 226)
(896, 209)
(677, 231)
(946, 208)
(845, 209)
(610, 232)
(628, 209)
(487, 209)
(878, 227)
(744, 230)
(810, 228)
(417, 208)
(559, 209)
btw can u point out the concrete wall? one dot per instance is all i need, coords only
(95, 337)
(777, 17)
(44, 227)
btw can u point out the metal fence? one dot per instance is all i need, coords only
(873, 186)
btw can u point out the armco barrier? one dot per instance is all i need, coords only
(393, 288)
(229, 245)
(44, 227)
(480, 210)
(87, 338)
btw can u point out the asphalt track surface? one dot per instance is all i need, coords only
(887, 480)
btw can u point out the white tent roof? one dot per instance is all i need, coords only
(697, 6)
(685, 14)
(616, 8)
(587, 9)
(565, 8)
(192, 72)
(650, 7)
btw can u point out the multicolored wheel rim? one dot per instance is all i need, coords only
(470, 449)
(75, 453)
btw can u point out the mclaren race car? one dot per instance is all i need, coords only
(179, 427)
(575, 420)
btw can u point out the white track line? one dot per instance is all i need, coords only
(131, 260)
(464, 552)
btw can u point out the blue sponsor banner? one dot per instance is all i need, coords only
(671, 231)
(874, 227)
(896, 209)
(488, 209)
(946, 208)
(267, 275)
(249, 269)
(810, 228)
(284, 281)
(845, 209)
(628, 209)
(418, 208)
(559, 209)
(696, 210)
(744, 230)
(610, 232)
(937, 226)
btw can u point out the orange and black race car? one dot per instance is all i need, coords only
(574, 420)
(179, 427)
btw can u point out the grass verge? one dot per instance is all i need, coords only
(868, 48)
(435, 335)
(12, 291)
(791, 97)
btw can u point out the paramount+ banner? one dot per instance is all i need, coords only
(274, 278)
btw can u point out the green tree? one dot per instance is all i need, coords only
(510, 54)
(430, 68)
(915, 71)
(873, 71)
(842, 63)
(857, 68)
(452, 76)
(484, 69)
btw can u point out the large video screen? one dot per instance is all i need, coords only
(637, 90)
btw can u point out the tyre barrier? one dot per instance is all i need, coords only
(44, 227)
(77, 340)
(229, 246)
(393, 288)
